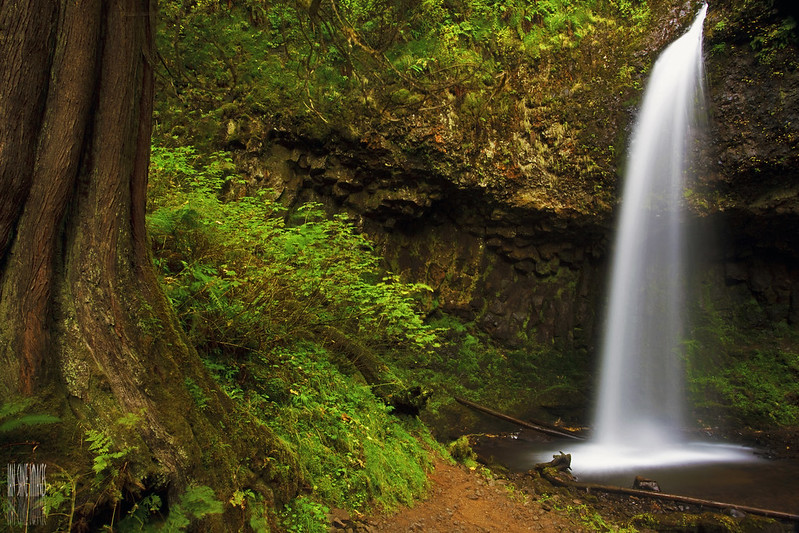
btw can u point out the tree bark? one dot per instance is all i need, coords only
(83, 320)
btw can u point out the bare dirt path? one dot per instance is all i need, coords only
(462, 501)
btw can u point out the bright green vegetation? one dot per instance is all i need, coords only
(245, 276)
(256, 289)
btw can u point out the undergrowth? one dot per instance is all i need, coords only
(744, 375)
(332, 65)
(256, 289)
(469, 364)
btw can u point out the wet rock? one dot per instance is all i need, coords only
(642, 483)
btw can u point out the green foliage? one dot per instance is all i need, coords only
(773, 38)
(242, 278)
(13, 416)
(461, 451)
(592, 520)
(760, 389)
(255, 507)
(197, 393)
(141, 513)
(303, 515)
(767, 31)
(469, 364)
(107, 460)
(743, 371)
(353, 450)
(62, 490)
(194, 504)
(334, 64)
(248, 280)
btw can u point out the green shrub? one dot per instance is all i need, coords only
(461, 451)
(303, 515)
(253, 287)
(241, 278)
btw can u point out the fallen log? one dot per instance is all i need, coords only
(541, 428)
(548, 474)
(404, 399)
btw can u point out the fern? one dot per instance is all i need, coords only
(196, 503)
(11, 416)
(105, 459)
(248, 278)
(28, 420)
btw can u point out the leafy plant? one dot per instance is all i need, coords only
(256, 289)
(62, 489)
(242, 278)
(739, 369)
(303, 515)
(461, 451)
(194, 504)
(353, 450)
(107, 458)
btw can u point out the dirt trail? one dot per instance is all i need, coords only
(462, 501)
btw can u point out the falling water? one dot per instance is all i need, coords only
(640, 412)
(641, 388)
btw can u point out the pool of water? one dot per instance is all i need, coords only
(719, 472)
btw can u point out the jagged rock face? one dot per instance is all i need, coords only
(751, 182)
(520, 245)
(521, 274)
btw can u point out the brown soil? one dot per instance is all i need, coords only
(463, 501)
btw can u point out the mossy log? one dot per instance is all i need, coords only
(538, 426)
(384, 383)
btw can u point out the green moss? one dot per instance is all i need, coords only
(461, 450)
(739, 368)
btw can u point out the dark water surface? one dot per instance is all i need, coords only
(764, 483)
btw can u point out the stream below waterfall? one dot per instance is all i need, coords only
(765, 483)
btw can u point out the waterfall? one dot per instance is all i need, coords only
(641, 386)
(639, 419)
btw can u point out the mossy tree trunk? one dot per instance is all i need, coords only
(84, 324)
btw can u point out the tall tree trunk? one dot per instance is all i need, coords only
(83, 320)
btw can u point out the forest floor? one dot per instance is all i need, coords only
(463, 500)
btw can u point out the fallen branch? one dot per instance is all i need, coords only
(548, 474)
(541, 428)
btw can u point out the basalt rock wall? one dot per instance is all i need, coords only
(523, 274)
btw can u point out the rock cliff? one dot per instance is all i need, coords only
(504, 202)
